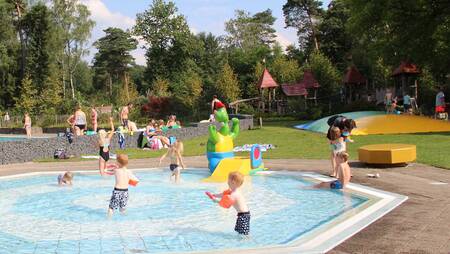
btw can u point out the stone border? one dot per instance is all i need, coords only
(40, 148)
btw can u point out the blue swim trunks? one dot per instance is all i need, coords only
(336, 185)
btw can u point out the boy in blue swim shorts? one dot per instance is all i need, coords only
(344, 173)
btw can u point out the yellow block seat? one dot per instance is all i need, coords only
(387, 153)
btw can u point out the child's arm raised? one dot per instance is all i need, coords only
(163, 157)
(111, 124)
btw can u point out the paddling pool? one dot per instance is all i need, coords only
(37, 216)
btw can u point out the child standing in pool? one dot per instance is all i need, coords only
(104, 140)
(344, 173)
(175, 153)
(119, 198)
(234, 197)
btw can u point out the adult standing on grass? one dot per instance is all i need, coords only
(440, 103)
(6, 119)
(124, 114)
(80, 121)
(27, 124)
(94, 117)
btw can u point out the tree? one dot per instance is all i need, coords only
(9, 50)
(161, 87)
(326, 74)
(302, 15)
(284, 70)
(114, 57)
(227, 84)
(27, 99)
(169, 41)
(246, 32)
(37, 27)
(335, 40)
(74, 30)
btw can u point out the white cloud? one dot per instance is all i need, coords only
(105, 18)
(283, 40)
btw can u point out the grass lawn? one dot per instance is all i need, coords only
(432, 149)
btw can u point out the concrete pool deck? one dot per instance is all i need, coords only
(419, 225)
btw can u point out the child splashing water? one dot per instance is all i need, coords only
(104, 142)
(119, 198)
(175, 153)
(233, 197)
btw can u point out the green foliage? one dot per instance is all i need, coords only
(326, 74)
(170, 42)
(301, 14)
(72, 31)
(37, 27)
(9, 49)
(284, 70)
(335, 41)
(427, 90)
(160, 87)
(227, 84)
(112, 60)
(246, 32)
(28, 99)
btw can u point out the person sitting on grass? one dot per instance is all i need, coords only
(65, 179)
(344, 173)
(172, 122)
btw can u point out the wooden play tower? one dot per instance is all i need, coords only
(267, 85)
(355, 85)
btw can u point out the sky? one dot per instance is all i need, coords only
(201, 15)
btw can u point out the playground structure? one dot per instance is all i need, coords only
(221, 159)
(377, 122)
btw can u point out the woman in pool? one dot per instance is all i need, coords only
(175, 153)
(27, 125)
(80, 121)
(344, 173)
(104, 141)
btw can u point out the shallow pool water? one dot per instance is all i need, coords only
(37, 216)
(5, 139)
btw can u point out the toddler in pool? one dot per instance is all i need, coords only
(234, 197)
(65, 179)
(343, 173)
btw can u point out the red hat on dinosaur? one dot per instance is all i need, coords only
(218, 104)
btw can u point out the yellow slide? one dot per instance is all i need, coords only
(227, 165)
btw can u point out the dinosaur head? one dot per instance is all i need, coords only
(221, 115)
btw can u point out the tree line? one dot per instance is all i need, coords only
(42, 46)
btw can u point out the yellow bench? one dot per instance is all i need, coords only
(387, 153)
